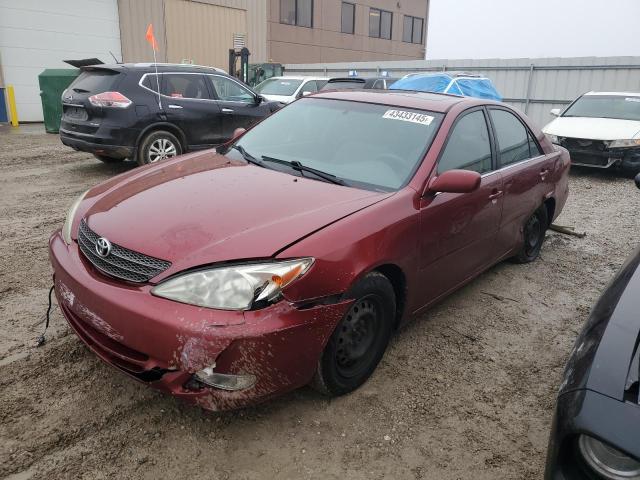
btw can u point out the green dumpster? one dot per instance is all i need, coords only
(54, 81)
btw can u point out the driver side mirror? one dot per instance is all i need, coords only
(258, 99)
(638, 180)
(555, 112)
(455, 181)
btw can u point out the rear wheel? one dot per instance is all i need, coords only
(360, 339)
(534, 232)
(105, 159)
(158, 146)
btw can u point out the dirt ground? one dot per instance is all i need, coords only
(466, 391)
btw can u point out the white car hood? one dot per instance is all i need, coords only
(279, 98)
(593, 128)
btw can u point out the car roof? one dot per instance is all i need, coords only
(435, 102)
(296, 77)
(616, 94)
(161, 67)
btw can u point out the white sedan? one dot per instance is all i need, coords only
(600, 129)
(287, 89)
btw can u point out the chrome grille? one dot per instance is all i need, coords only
(121, 262)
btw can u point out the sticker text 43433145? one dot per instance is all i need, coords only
(407, 116)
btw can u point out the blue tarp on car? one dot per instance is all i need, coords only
(479, 87)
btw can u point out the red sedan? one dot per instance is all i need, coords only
(290, 255)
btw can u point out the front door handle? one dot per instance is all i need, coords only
(543, 173)
(175, 107)
(227, 110)
(495, 195)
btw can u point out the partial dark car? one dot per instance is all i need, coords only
(595, 433)
(291, 254)
(352, 83)
(128, 111)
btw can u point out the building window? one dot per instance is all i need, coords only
(412, 29)
(348, 17)
(380, 23)
(297, 12)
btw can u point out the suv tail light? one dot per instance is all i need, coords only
(109, 99)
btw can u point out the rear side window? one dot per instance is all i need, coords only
(95, 81)
(182, 85)
(514, 141)
(468, 147)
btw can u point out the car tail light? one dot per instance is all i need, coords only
(109, 99)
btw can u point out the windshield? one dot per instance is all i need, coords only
(278, 86)
(605, 106)
(369, 146)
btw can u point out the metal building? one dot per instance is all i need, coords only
(36, 34)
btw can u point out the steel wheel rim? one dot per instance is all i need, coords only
(358, 334)
(532, 232)
(161, 149)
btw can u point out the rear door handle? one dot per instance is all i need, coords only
(227, 110)
(175, 107)
(495, 195)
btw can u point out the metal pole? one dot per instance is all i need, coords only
(13, 111)
(528, 97)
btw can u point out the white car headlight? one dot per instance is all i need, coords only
(233, 287)
(553, 139)
(624, 143)
(608, 462)
(68, 221)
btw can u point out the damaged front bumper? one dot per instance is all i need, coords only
(164, 343)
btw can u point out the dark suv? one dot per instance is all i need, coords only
(128, 111)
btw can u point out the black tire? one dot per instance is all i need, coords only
(157, 146)
(360, 339)
(105, 159)
(534, 232)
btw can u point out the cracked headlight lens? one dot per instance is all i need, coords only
(233, 287)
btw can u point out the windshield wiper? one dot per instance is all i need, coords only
(299, 167)
(248, 157)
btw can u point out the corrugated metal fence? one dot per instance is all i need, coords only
(534, 85)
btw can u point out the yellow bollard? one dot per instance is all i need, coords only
(13, 111)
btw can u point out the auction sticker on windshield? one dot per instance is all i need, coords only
(406, 116)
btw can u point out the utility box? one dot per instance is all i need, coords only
(54, 81)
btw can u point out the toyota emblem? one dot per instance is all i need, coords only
(103, 247)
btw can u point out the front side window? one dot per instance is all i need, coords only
(183, 85)
(605, 106)
(370, 146)
(380, 22)
(297, 12)
(468, 147)
(311, 86)
(348, 17)
(229, 90)
(512, 137)
(412, 29)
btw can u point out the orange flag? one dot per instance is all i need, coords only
(151, 38)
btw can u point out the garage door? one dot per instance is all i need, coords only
(37, 34)
(202, 33)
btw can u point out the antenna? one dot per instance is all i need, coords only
(114, 57)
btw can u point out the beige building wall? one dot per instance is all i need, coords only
(201, 30)
(325, 42)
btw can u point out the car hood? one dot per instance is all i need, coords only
(604, 356)
(279, 98)
(205, 208)
(593, 128)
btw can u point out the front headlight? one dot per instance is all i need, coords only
(68, 221)
(234, 287)
(624, 143)
(608, 462)
(553, 139)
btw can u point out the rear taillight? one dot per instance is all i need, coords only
(109, 99)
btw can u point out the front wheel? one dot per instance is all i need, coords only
(534, 232)
(360, 339)
(158, 146)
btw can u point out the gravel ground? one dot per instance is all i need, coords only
(466, 391)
